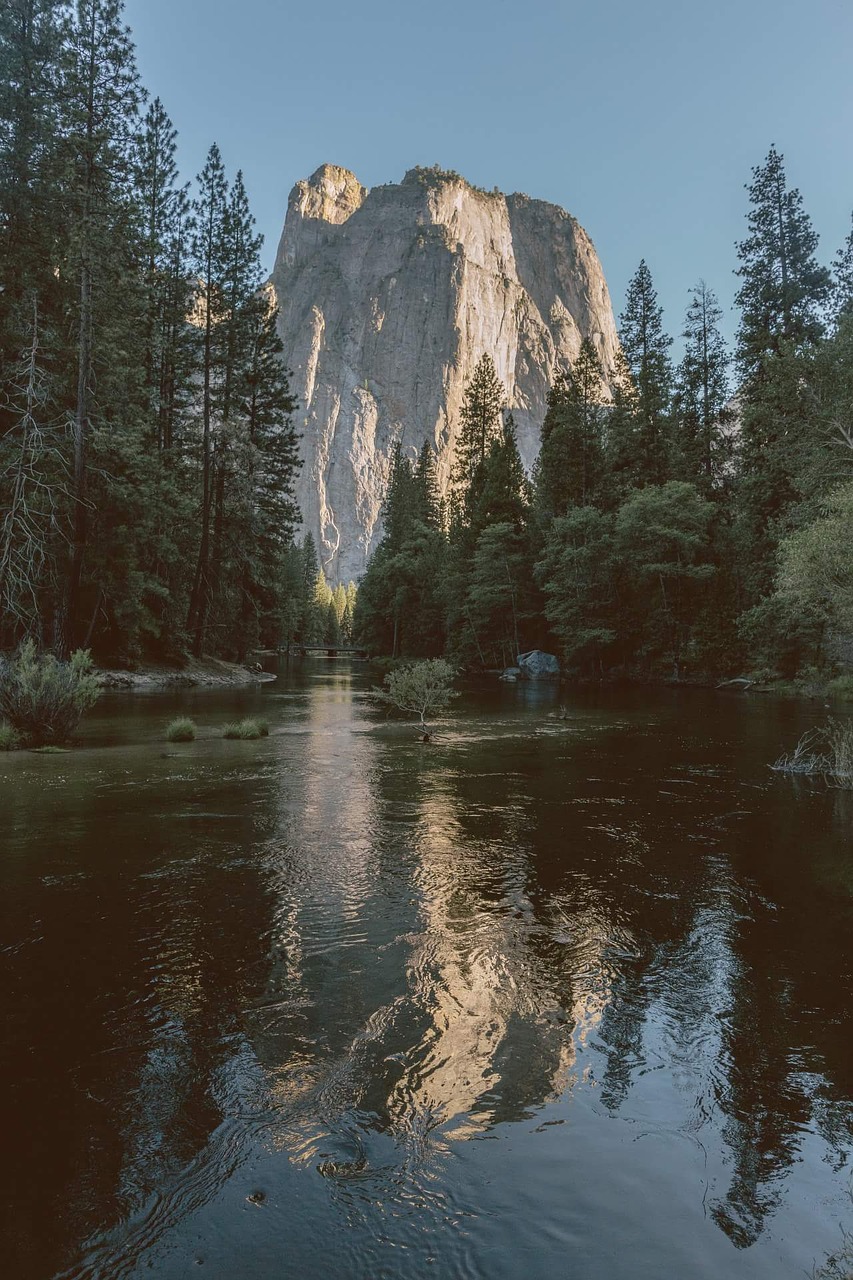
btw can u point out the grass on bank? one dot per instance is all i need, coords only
(826, 752)
(9, 739)
(181, 729)
(248, 730)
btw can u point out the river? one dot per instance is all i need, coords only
(544, 998)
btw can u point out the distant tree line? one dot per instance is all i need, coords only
(147, 447)
(680, 520)
(315, 612)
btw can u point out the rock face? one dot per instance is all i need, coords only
(389, 298)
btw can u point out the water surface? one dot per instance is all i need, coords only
(544, 998)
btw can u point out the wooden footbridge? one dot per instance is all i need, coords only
(325, 650)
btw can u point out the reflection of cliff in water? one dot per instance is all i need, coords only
(411, 984)
(459, 940)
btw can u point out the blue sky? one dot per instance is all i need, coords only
(642, 119)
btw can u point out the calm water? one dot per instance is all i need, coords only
(543, 999)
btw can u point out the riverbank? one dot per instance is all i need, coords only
(195, 673)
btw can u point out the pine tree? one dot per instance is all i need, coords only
(480, 423)
(426, 487)
(100, 94)
(782, 297)
(784, 288)
(310, 569)
(577, 577)
(339, 599)
(702, 392)
(504, 493)
(267, 511)
(646, 348)
(32, 465)
(164, 205)
(569, 467)
(30, 203)
(210, 261)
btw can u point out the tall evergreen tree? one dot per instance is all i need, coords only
(782, 297)
(272, 462)
(426, 487)
(646, 348)
(702, 392)
(210, 260)
(480, 423)
(30, 203)
(569, 467)
(783, 287)
(170, 354)
(101, 95)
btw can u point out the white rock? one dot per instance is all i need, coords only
(389, 298)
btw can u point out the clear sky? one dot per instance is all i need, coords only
(641, 117)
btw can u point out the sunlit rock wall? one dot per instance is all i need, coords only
(389, 298)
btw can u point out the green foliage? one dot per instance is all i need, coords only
(248, 730)
(44, 699)
(420, 688)
(147, 443)
(577, 574)
(815, 573)
(783, 286)
(841, 687)
(9, 739)
(432, 176)
(662, 546)
(181, 729)
(399, 608)
(480, 424)
(782, 297)
(569, 469)
(646, 349)
(702, 450)
(500, 599)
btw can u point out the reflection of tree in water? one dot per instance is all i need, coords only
(744, 1006)
(786, 1039)
(133, 1007)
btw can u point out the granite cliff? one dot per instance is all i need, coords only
(388, 299)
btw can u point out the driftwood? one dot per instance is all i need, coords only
(740, 682)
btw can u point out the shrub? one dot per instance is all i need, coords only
(247, 729)
(8, 738)
(421, 688)
(181, 729)
(43, 698)
(826, 752)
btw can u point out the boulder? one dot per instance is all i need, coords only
(537, 665)
(510, 675)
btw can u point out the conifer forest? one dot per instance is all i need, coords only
(686, 518)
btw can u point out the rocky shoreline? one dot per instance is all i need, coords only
(195, 673)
